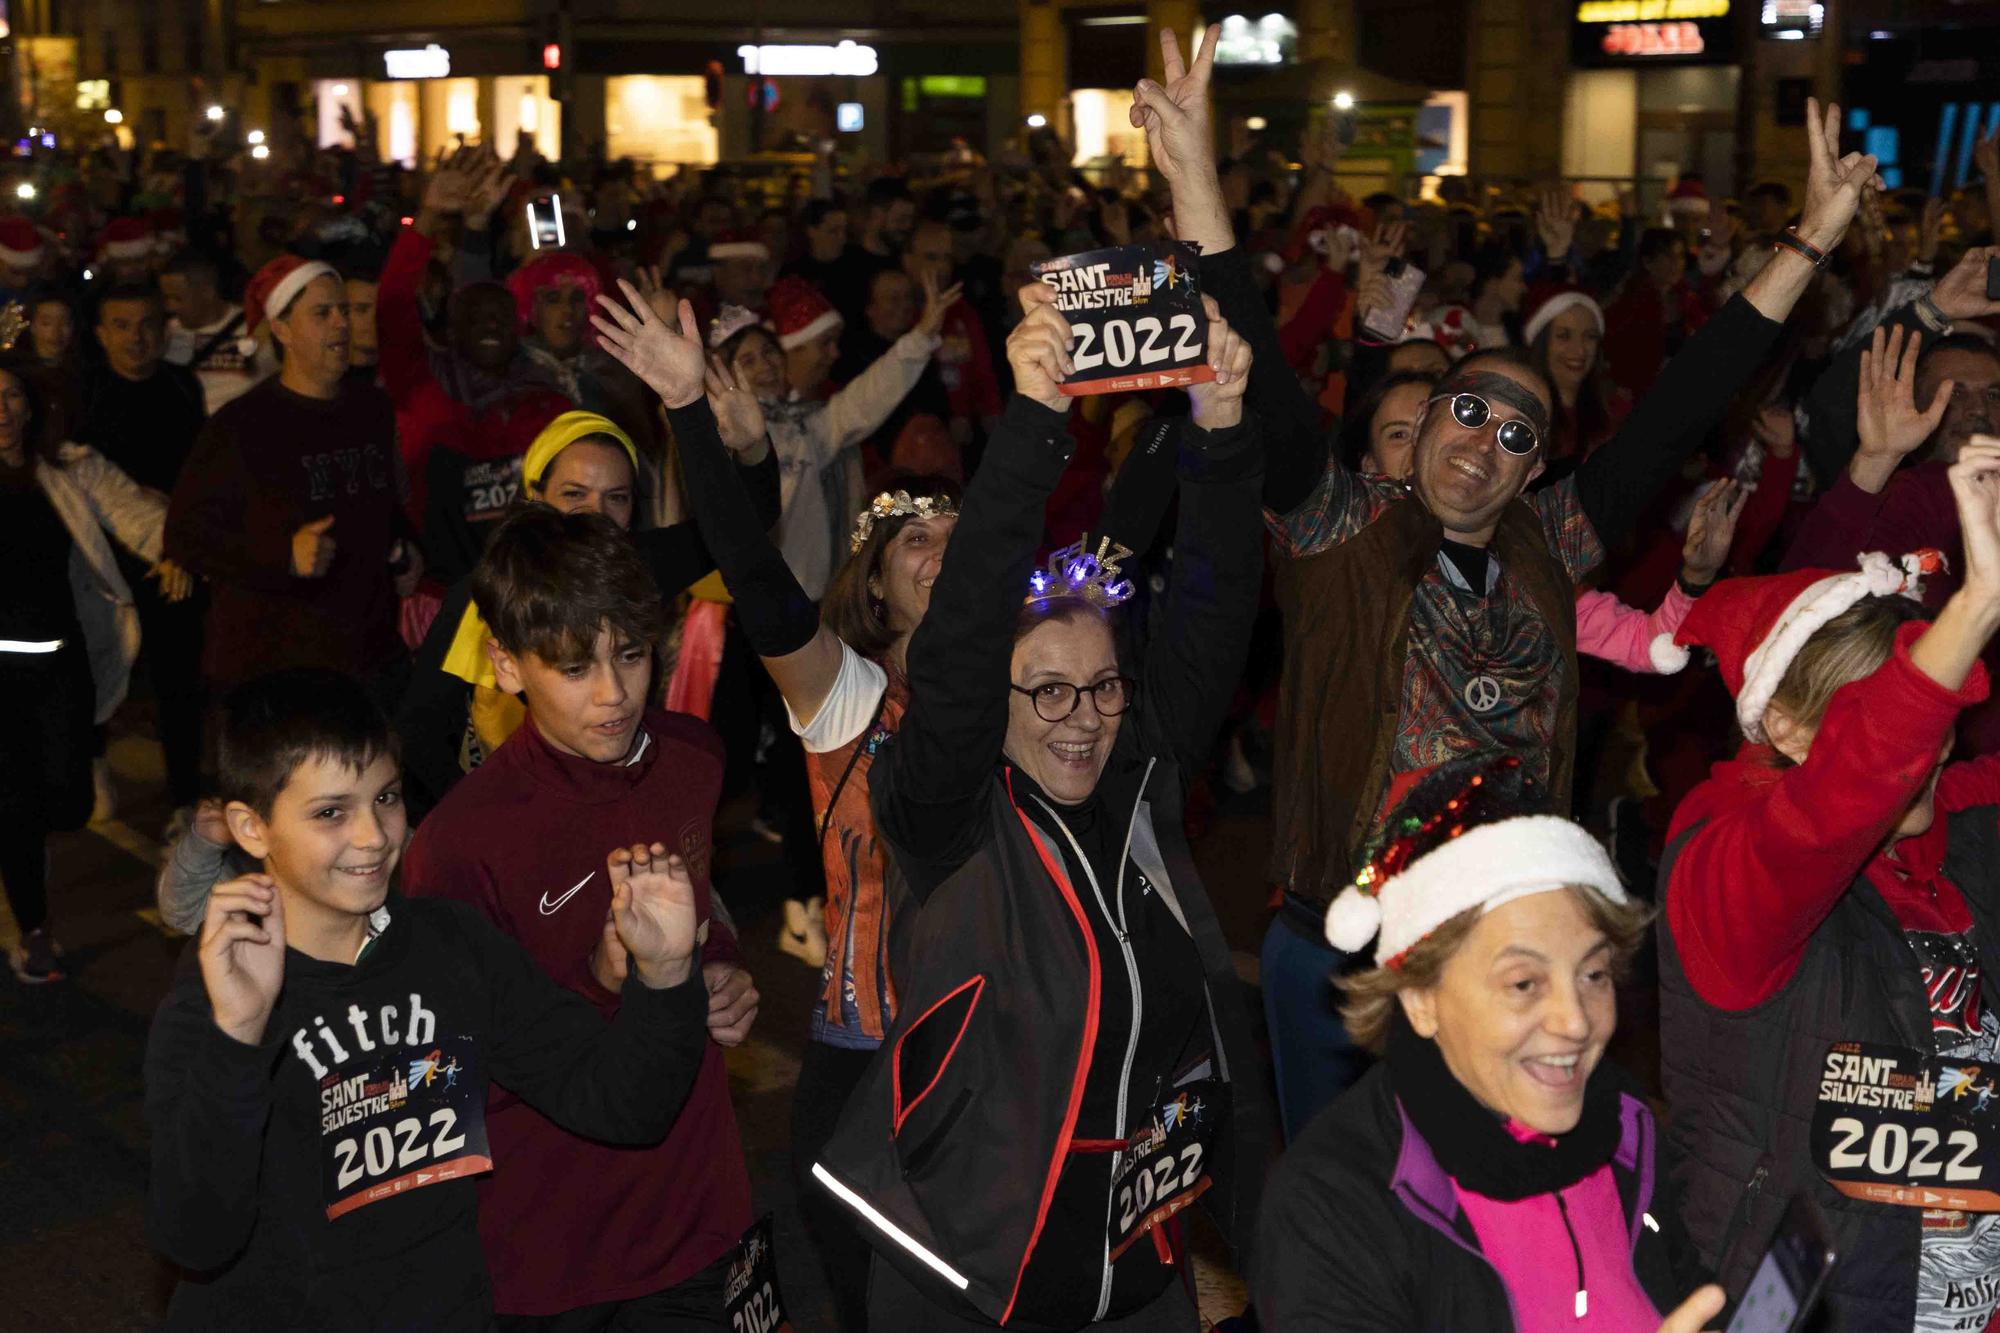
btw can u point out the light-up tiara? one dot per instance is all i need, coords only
(897, 504)
(13, 322)
(1074, 571)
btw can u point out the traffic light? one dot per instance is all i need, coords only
(552, 56)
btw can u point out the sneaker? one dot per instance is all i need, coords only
(802, 934)
(35, 960)
(104, 796)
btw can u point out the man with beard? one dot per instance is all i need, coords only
(1436, 619)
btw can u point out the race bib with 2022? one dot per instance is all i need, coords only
(1135, 316)
(398, 1118)
(1894, 1125)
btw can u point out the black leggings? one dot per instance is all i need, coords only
(828, 1076)
(45, 752)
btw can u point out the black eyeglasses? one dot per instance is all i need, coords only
(1055, 700)
(1471, 411)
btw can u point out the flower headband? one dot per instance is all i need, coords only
(1095, 576)
(897, 504)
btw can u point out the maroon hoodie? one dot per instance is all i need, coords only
(568, 1222)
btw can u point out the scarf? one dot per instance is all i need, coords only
(1472, 1144)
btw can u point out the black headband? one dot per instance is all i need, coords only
(1498, 388)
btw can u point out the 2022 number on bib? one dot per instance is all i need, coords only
(751, 1301)
(1894, 1125)
(398, 1120)
(1135, 316)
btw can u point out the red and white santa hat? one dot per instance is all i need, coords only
(1688, 196)
(125, 238)
(799, 312)
(1755, 627)
(738, 244)
(277, 284)
(1467, 834)
(1559, 303)
(732, 320)
(20, 244)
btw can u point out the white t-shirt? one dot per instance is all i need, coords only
(230, 368)
(849, 706)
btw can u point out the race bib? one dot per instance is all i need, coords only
(750, 1299)
(1166, 1168)
(399, 1119)
(1893, 1125)
(1135, 317)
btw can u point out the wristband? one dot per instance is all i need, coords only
(1692, 589)
(1806, 250)
(1931, 317)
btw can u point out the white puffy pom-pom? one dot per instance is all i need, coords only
(1668, 656)
(1353, 920)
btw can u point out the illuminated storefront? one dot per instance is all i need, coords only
(1653, 95)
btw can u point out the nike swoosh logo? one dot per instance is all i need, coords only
(551, 908)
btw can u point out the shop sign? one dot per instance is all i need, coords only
(845, 60)
(1652, 32)
(428, 62)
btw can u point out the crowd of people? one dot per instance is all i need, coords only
(469, 566)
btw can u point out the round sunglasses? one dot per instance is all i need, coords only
(1471, 411)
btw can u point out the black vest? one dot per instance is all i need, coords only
(1743, 1085)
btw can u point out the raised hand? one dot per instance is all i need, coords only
(936, 303)
(451, 182)
(671, 363)
(1834, 184)
(1386, 244)
(487, 185)
(739, 417)
(242, 954)
(732, 1002)
(1975, 487)
(312, 549)
(1890, 422)
(1038, 348)
(660, 298)
(1175, 114)
(1961, 293)
(1218, 404)
(1555, 222)
(1712, 531)
(652, 909)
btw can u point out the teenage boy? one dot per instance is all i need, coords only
(316, 1078)
(599, 1236)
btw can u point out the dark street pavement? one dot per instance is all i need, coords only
(73, 1145)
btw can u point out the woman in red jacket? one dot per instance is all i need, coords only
(1831, 892)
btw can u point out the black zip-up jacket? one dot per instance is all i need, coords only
(365, 1099)
(1361, 1231)
(1015, 1037)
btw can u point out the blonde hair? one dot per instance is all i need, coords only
(1371, 1000)
(1852, 645)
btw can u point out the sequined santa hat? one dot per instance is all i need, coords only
(1755, 627)
(1559, 303)
(799, 312)
(1468, 834)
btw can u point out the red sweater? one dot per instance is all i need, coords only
(1779, 846)
(568, 1222)
(427, 416)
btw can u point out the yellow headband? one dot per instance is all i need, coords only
(467, 658)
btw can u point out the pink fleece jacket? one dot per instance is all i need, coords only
(1623, 635)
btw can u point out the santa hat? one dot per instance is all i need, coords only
(1756, 626)
(1688, 196)
(738, 244)
(20, 243)
(550, 270)
(1323, 218)
(1465, 835)
(125, 238)
(731, 321)
(1448, 329)
(168, 232)
(276, 285)
(799, 313)
(1557, 304)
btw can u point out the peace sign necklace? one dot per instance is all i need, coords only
(1482, 692)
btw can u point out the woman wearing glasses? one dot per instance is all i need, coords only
(1070, 1065)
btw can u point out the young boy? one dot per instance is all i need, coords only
(316, 1078)
(601, 1236)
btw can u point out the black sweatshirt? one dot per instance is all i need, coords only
(366, 1099)
(432, 717)
(1614, 485)
(147, 427)
(931, 783)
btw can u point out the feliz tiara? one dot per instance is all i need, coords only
(897, 504)
(1095, 576)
